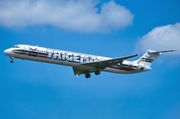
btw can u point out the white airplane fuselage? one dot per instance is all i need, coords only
(76, 60)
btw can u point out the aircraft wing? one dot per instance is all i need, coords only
(93, 66)
(106, 63)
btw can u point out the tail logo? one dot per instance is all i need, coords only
(146, 58)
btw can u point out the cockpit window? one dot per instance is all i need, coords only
(16, 46)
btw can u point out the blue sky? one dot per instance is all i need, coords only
(108, 28)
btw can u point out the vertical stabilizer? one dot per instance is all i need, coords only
(148, 58)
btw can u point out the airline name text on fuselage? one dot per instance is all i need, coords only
(71, 57)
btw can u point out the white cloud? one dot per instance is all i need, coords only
(76, 15)
(161, 38)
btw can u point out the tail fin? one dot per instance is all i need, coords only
(148, 58)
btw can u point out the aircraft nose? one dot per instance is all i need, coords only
(7, 51)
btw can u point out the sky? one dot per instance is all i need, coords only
(111, 28)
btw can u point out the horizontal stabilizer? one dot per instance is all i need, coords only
(158, 52)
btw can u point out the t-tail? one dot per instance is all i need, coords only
(148, 58)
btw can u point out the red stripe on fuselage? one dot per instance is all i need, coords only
(22, 53)
(122, 68)
(42, 56)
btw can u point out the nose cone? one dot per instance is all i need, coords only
(7, 52)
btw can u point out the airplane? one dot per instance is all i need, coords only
(84, 63)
